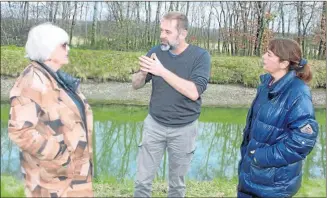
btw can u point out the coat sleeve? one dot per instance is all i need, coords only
(301, 138)
(23, 119)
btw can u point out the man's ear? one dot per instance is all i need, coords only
(184, 34)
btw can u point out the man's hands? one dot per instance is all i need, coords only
(154, 66)
(151, 65)
(147, 65)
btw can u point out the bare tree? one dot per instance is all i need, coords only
(25, 12)
(236, 28)
(73, 23)
(50, 8)
(56, 11)
(299, 16)
(149, 38)
(209, 25)
(305, 24)
(219, 20)
(245, 8)
(85, 27)
(94, 23)
(282, 17)
(322, 42)
(171, 7)
(187, 8)
(260, 7)
(156, 23)
(177, 6)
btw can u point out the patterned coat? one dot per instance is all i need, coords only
(55, 143)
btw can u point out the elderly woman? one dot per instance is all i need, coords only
(50, 120)
(281, 129)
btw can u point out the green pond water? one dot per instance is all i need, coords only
(118, 131)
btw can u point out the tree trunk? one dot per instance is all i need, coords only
(260, 27)
(187, 8)
(26, 12)
(229, 27)
(244, 16)
(224, 47)
(86, 31)
(299, 15)
(253, 34)
(177, 6)
(322, 43)
(51, 11)
(219, 36)
(155, 36)
(138, 25)
(144, 39)
(305, 26)
(149, 24)
(209, 25)
(235, 28)
(63, 14)
(127, 22)
(94, 24)
(56, 11)
(73, 24)
(282, 18)
(68, 15)
(171, 7)
(37, 12)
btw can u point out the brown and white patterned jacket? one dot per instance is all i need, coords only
(55, 149)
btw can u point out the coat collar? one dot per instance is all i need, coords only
(71, 83)
(278, 87)
(65, 79)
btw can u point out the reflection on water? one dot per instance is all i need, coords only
(216, 155)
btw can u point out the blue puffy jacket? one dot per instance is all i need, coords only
(277, 139)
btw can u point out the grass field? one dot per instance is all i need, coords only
(105, 65)
(110, 187)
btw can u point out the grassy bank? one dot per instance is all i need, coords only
(138, 113)
(109, 187)
(103, 65)
(111, 102)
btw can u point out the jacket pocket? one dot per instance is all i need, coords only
(61, 168)
(181, 161)
(287, 173)
(260, 175)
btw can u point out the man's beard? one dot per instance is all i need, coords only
(166, 47)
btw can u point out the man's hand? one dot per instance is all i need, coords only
(151, 65)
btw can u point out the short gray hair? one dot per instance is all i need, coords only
(42, 41)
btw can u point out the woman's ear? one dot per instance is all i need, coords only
(284, 64)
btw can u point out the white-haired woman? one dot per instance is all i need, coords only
(50, 120)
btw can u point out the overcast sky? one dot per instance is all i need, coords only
(200, 13)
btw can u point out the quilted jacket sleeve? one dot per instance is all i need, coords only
(301, 138)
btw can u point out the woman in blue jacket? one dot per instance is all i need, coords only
(281, 129)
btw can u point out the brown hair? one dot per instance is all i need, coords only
(289, 50)
(182, 21)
